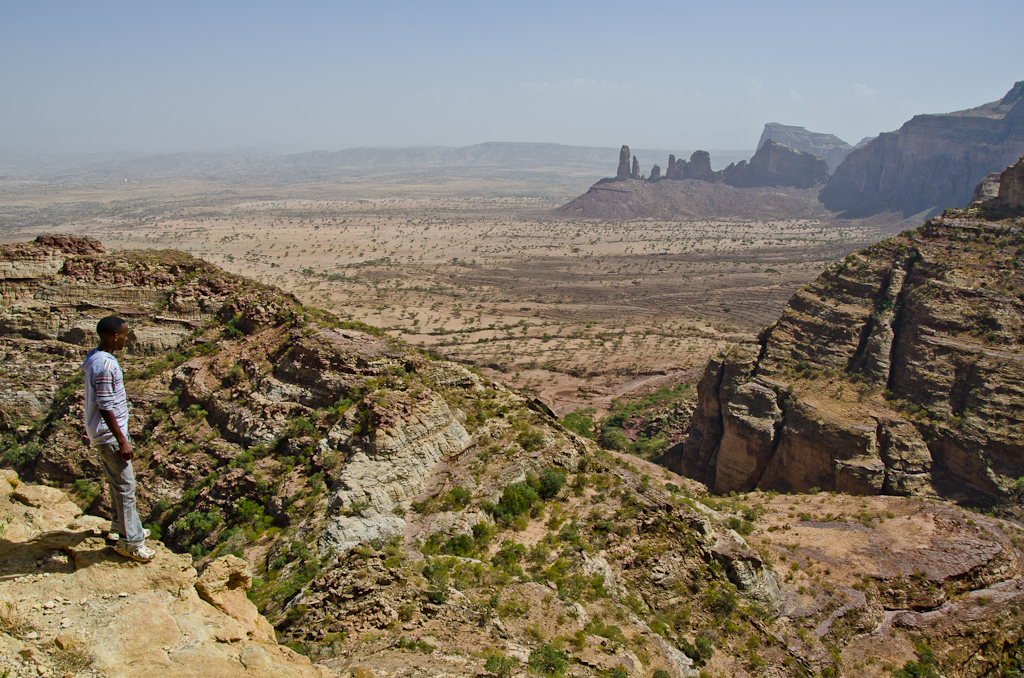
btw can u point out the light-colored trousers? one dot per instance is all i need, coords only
(121, 478)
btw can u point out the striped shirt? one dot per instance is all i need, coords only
(104, 390)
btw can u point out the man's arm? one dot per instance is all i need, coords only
(122, 442)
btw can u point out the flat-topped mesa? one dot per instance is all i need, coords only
(827, 146)
(623, 171)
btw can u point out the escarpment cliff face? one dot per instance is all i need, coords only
(899, 370)
(931, 162)
(829, 147)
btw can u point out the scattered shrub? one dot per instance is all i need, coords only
(547, 661)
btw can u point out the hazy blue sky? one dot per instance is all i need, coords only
(147, 76)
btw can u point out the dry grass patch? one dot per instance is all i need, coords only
(13, 620)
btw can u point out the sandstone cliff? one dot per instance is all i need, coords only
(897, 371)
(931, 162)
(826, 146)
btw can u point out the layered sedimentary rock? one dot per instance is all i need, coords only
(932, 161)
(775, 164)
(829, 147)
(899, 370)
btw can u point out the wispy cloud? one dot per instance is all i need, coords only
(863, 91)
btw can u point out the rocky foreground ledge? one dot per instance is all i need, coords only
(70, 605)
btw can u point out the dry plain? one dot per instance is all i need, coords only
(475, 270)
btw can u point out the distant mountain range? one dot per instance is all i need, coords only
(523, 160)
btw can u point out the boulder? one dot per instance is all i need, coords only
(223, 584)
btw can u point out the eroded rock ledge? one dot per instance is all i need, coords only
(899, 370)
(74, 594)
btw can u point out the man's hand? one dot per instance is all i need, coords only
(126, 449)
(123, 444)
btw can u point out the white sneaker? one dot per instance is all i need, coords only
(114, 536)
(139, 552)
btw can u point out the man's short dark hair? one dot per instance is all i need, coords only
(110, 325)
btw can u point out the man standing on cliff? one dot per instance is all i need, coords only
(106, 420)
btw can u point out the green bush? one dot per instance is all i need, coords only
(531, 439)
(456, 499)
(508, 555)
(720, 601)
(551, 482)
(516, 500)
(547, 661)
(579, 423)
(924, 667)
(500, 665)
(614, 439)
(459, 545)
(16, 454)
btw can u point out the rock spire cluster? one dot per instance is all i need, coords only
(774, 164)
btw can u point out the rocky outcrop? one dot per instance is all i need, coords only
(655, 173)
(697, 167)
(635, 174)
(1011, 186)
(623, 171)
(775, 164)
(987, 188)
(931, 162)
(829, 147)
(898, 371)
(78, 601)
